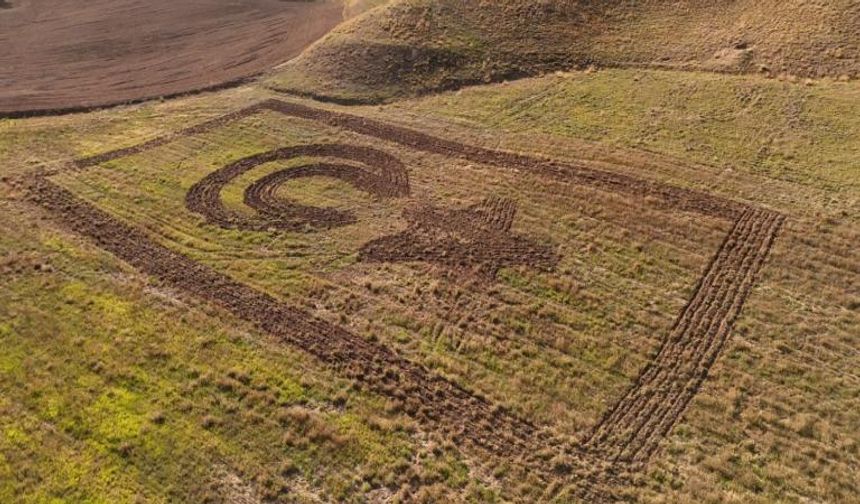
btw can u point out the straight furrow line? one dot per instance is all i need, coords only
(671, 363)
(718, 335)
(662, 415)
(633, 401)
(435, 401)
(632, 429)
(671, 196)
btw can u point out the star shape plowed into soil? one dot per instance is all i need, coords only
(477, 239)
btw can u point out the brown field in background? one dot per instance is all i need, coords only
(64, 56)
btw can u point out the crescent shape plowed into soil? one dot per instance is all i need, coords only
(383, 176)
(73, 56)
(630, 432)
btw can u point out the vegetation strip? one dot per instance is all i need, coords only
(628, 434)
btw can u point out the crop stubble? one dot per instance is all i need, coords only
(630, 431)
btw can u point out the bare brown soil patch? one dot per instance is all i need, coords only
(630, 432)
(477, 239)
(69, 56)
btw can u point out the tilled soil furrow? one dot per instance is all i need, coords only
(382, 175)
(162, 140)
(698, 359)
(632, 403)
(717, 342)
(688, 340)
(633, 429)
(664, 366)
(671, 196)
(646, 402)
(436, 402)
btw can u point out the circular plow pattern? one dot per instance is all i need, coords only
(370, 170)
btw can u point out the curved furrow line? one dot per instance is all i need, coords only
(382, 175)
(434, 401)
(626, 436)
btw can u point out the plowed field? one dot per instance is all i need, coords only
(67, 56)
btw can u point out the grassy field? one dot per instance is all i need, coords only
(777, 419)
(118, 389)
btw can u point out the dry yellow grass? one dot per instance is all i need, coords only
(411, 47)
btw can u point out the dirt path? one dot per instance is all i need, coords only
(629, 433)
(69, 56)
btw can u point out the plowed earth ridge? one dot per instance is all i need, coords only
(383, 176)
(431, 399)
(628, 434)
(472, 240)
(662, 194)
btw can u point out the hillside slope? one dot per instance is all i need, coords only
(417, 46)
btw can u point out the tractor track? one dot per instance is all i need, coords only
(631, 430)
(627, 435)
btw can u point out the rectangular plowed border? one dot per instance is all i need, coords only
(630, 431)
